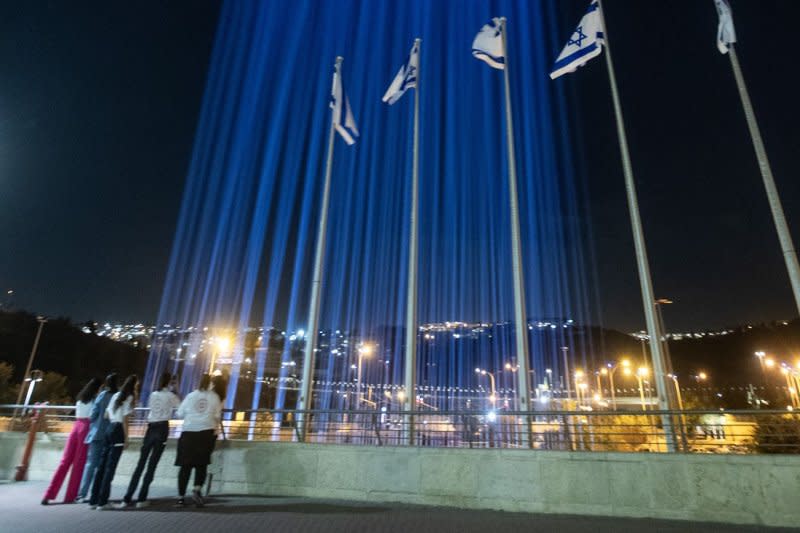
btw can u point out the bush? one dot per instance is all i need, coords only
(777, 434)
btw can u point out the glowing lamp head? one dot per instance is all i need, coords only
(769, 362)
(491, 416)
(604, 371)
(702, 376)
(223, 343)
(579, 373)
(642, 371)
(625, 363)
(401, 396)
(627, 371)
(366, 350)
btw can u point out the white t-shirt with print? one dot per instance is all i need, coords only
(201, 410)
(161, 404)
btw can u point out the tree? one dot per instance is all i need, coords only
(777, 434)
(8, 389)
(52, 389)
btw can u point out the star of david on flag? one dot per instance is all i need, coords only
(584, 43)
(406, 78)
(488, 44)
(726, 34)
(343, 119)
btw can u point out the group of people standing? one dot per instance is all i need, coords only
(100, 434)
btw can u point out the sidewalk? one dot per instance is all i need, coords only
(20, 511)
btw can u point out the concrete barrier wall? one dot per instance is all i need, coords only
(726, 488)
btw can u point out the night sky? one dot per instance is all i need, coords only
(99, 104)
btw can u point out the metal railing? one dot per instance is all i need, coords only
(757, 431)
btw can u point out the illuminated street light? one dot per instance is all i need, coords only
(220, 345)
(761, 354)
(641, 373)
(364, 350)
(493, 395)
(769, 362)
(609, 371)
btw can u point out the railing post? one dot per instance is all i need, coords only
(22, 468)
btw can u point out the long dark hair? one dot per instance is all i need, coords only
(127, 390)
(166, 377)
(220, 386)
(89, 391)
(205, 381)
(111, 382)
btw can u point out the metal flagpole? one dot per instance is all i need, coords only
(520, 317)
(410, 401)
(785, 237)
(316, 282)
(641, 253)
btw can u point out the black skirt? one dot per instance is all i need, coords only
(195, 447)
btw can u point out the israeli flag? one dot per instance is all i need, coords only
(584, 44)
(726, 34)
(406, 78)
(488, 44)
(343, 119)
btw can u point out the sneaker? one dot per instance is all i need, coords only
(92, 507)
(104, 507)
(123, 504)
(197, 498)
(143, 503)
(180, 503)
(45, 501)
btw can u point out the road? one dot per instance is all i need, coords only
(21, 511)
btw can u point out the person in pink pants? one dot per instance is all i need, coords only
(74, 455)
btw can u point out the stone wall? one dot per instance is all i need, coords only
(746, 489)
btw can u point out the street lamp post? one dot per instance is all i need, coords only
(599, 385)
(493, 397)
(219, 345)
(42, 321)
(565, 350)
(790, 388)
(640, 374)
(25, 377)
(679, 399)
(35, 377)
(578, 378)
(365, 350)
(609, 370)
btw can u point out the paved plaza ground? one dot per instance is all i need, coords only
(20, 511)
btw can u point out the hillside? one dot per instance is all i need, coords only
(65, 349)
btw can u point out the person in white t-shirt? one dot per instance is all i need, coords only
(75, 451)
(201, 411)
(162, 403)
(117, 412)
